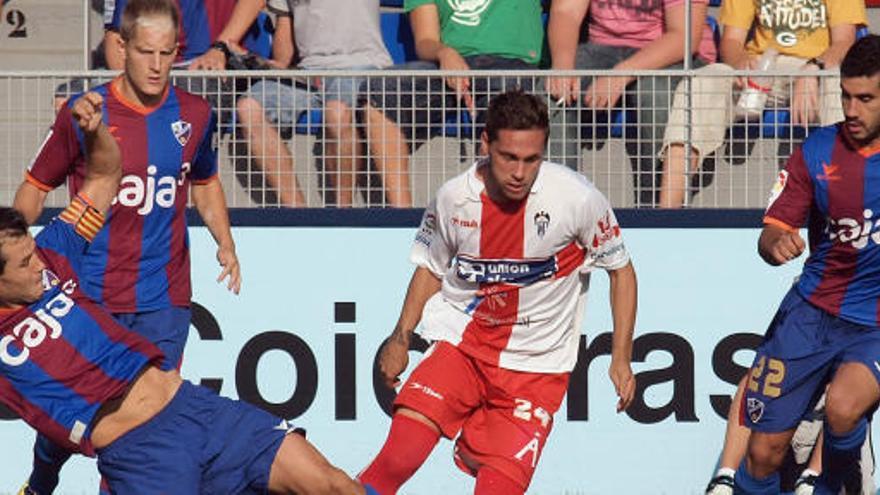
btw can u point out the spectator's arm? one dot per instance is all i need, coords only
(563, 31)
(283, 48)
(113, 50)
(243, 16)
(733, 47)
(425, 21)
(668, 49)
(842, 38)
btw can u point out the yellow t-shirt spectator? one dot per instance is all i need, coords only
(799, 28)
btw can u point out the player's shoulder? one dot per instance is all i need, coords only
(191, 102)
(822, 137)
(460, 187)
(565, 183)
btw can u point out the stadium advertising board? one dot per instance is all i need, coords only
(316, 303)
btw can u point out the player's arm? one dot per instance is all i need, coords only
(779, 243)
(103, 156)
(210, 202)
(624, 297)
(29, 200)
(395, 353)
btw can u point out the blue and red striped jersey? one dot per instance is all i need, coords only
(63, 356)
(201, 22)
(140, 260)
(834, 186)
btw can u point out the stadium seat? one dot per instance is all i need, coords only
(398, 37)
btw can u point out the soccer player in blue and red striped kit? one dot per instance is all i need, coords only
(139, 267)
(79, 377)
(826, 329)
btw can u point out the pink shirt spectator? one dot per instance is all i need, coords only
(635, 23)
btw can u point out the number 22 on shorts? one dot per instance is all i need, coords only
(770, 372)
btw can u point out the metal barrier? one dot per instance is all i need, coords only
(328, 156)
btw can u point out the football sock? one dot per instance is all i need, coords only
(48, 459)
(408, 445)
(840, 457)
(490, 481)
(748, 485)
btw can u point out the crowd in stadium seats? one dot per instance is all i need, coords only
(371, 126)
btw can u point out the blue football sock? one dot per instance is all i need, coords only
(745, 484)
(370, 490)
(48, 459)
(840, 457)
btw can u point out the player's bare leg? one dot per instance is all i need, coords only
(736, 444)
(852, 391)
(299, 468)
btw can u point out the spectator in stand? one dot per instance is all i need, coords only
(808, 46)
(623, 35)
(455, 36)
(330, 35)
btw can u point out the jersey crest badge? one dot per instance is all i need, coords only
(755, 409)
(542, 220)
(50, 280)
(182, 131)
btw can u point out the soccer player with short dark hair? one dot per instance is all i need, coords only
(825, 332)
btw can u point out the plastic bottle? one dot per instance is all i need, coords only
(754, 96)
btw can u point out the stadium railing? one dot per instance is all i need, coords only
(737, 176)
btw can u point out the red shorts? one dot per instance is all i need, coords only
(504, 416)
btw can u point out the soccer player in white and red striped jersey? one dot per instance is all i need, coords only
(503, 256)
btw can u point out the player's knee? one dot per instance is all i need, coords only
(765, 455)
(842, 411)
(336, 482)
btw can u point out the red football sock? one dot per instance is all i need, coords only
(491, 482)
(408, 445)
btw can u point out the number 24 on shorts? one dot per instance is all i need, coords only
(770, 372)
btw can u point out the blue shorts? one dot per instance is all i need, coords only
(167, 328)
(199, 443)
(803, 348)
(284, 104)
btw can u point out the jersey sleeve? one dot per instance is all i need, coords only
(57, 154)
(204, 166)
(601, 234)
(432, 248)
(792, 194)
(72, 230)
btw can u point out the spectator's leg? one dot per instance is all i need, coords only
(711, 111)
(389, 148)
(341, 152)
(269, 151)
(652, 95)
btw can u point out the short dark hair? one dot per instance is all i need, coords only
(12, 224)
(517, 110)
(863, 58)
(136, 9)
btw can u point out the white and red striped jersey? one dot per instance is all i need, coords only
(515, 280)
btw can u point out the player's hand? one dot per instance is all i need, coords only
(788, 246)
(87, 111)
(231, 269)
(564, 90)
(624, 382)
(604, 92)
(213, 59)
(805, 98)
(394, 358)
